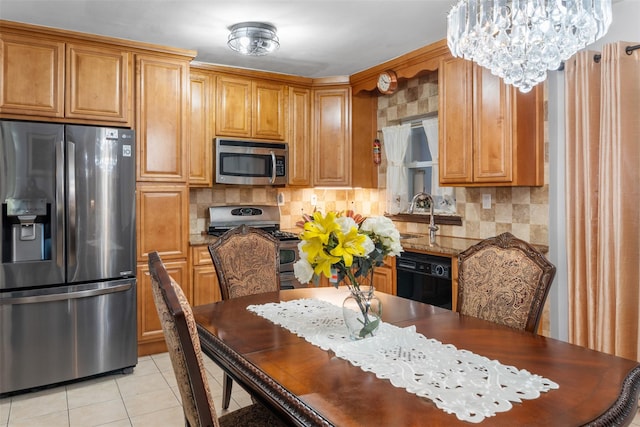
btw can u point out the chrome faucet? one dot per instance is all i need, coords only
(432, 222)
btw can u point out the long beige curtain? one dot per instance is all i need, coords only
(603, 199)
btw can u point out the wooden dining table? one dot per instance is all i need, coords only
(309, 386)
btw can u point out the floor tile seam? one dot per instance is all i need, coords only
(155, 362)
(11, 409)
(123, 403)
(20, 420)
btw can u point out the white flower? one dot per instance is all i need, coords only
(394, 248)
(381, 226)
(368, 245)
(386, 233)
(346, 223)
(302, 254)
(303, 270)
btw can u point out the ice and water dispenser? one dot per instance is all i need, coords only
(27, 232)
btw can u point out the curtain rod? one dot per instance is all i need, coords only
(413, 125)
(629, 50)
(415, 121)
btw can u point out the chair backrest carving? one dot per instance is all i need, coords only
(181, 335)
(504, 280)
(247, 262)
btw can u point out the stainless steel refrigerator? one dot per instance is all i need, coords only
(67, 277)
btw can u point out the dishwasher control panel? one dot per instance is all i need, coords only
(425, 264)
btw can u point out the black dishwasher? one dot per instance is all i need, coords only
(425, 278)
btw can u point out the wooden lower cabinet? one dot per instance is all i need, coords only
(150, 335)
(162, 220)
(385, 277)
(162, 226)
(204, 279)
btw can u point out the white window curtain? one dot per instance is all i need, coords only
(443, 196)
(396, 141)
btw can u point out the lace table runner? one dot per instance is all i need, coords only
(459, 382)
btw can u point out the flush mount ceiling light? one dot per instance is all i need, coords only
(519, 40)
(253, 38)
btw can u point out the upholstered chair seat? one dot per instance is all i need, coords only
(504, 280)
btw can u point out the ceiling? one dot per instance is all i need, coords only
(318, 38)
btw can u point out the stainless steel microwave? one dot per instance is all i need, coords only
(250, 162)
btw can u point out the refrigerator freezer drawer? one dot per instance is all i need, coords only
(66, 333)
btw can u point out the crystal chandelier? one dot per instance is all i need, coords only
(253, 38)
(519, 40)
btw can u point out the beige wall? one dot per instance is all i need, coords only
(524, 211)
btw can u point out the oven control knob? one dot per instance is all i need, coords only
(439, 270)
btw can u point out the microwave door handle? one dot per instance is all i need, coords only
(273, 167)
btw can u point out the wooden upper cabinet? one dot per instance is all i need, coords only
(490, 133)
(299, 136)
(162, 118)
(201, 129)
(50, 79)
(364, 124)
(233, 106)
(32, 76)
(269, 113)
(99, 83)
(332, 137)
(492, 136)
(250, 108)
(455, 125)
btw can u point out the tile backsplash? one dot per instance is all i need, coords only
(524, 211)
(296, 202)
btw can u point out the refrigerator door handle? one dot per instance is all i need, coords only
(60, 248)
(71, 197)
(66, 296)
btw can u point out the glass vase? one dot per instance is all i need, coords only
(362, 311)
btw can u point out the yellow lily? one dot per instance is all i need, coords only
(324, 262)
(321, 227)
(349, 245)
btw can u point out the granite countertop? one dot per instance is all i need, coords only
(445, 245)
(201, 239)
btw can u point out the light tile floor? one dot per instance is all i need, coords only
(148, 397)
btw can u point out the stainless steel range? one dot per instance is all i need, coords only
(267, 218)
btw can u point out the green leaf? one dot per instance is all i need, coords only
(369, 328)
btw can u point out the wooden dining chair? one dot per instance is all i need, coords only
(504, 280)
(183, 345)
(247, 262)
